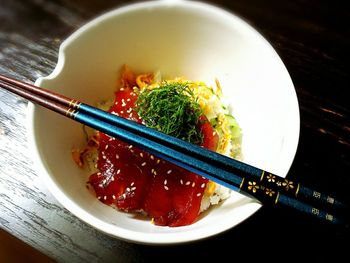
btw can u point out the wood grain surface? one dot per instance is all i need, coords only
(313, 40)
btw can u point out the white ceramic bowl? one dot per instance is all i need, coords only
(179, 38)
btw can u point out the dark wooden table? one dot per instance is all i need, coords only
(313, 40)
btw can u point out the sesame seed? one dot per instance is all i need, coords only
(121, 89)
(158, 161)
(104, 181)
(155, 172)
(95, 165)
(99, 197)
(124, 196)
(152, 157)
(141, 154)
(166, 188)
(169, 171)
(130, 146)
(181, 181)
(112, 179)
(122, 112)
(117, 156)
(105, 197)
(128, 189)
(98, 173)
(165, 181)
(143, 164)
(188, 183)
(104, 157)
(118, 171)
(193, 184)
(106, 147)
(214, 133)
(203, 185)
(199, 194)
(152, 171)
(132, 183)
(128, 99)
(133, 188)
(113, 196)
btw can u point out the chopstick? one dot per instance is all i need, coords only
(266, 187)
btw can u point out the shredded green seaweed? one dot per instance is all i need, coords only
(173, 109)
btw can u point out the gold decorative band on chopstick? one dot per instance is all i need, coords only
(240, 186)
(262, 175)
(71, 103)
(276, 200)
(297, 191)
(75, 114)
(71, 113)
(74, 104)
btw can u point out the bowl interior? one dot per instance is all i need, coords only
(194, 40)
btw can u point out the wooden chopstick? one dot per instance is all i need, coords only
(266, 187)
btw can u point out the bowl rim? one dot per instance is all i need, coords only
(119, 232)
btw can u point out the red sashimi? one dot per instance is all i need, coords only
(134, 180)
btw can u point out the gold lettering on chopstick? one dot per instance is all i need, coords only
(329, 217)
(316, 194)
(315, 211)
(330, 200)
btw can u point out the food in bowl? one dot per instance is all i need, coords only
(132, 180)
